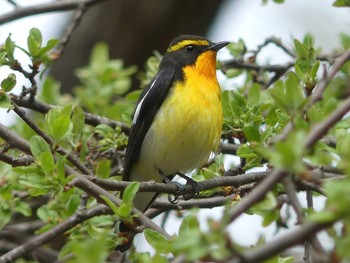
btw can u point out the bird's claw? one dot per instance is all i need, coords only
(174, 199)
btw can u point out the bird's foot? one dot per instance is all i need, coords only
(174, 199)
(189, 181)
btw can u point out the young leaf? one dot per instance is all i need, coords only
(342, 3)
(10, 48)
(5, 101)
(2, 57)
(60, 169)
(33, 46)
(50, 45)
(103, 168)
(46, 162)
(9, 83)
(78, 120)
(301, 49)
(190, 222)
(130, 192)
(38, 146)
(36, 35)
(157, 240)
(114, 208)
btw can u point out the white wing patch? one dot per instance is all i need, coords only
(138, 108)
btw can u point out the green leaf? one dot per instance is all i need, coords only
(114, 208)
(34, 42)
(300, 49)
(345, 40)
(33, 46)
(103, 168)
(288, 154)
(60, 127)
(78, 120)
(23, 208)
(233, 72)
(254, 95)
(5, 101)
(99, 56)
(60, 163)
(245, 151)
(237, 49)
(251, 132)
(36, 34)
(189, 223)
(58, 121)
(50, 91)
(294, 92)
(49, 46)
(9, 83)
(46, 162)
(130, 192)
(38, 146)
(157, 240)
(10, 48)
(314, 69)
(2, 57)
(342, 3)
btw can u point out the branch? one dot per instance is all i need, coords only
(19, 161)
(78, 15)
(321, 86)
(57, 6)
(70, 156)
(235, 181)
(91, 119)
(266, 185)
(97, 192)
(14, 140)
(57, 230)
(233, 63)
(290, 239)
(318, 92)
(164, 204)
(320, 129)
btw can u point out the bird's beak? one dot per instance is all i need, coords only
(218, 46)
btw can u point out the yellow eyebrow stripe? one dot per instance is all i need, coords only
(184, 43)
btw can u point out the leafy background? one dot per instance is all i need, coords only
(61, 162)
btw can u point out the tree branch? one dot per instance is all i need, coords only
(91, 119)
(14, 140)
(21, 12)
(19, 161)
(57, 230)
(290, 239)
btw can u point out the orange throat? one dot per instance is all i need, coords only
(205, 65)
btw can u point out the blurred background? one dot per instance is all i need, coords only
(133, 29)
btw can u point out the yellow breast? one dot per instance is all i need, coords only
(188, 126)
(185, 130)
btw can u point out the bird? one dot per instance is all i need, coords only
(177, 121)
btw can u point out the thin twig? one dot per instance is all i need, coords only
(293, 198)
(56, 6)
(77, 16)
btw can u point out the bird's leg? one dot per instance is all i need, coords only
(180, 187)
(193, 183)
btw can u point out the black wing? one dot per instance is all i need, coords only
(149, 102)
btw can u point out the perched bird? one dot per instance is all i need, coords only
(178, 118)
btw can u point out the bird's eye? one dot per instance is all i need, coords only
(190, 48)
